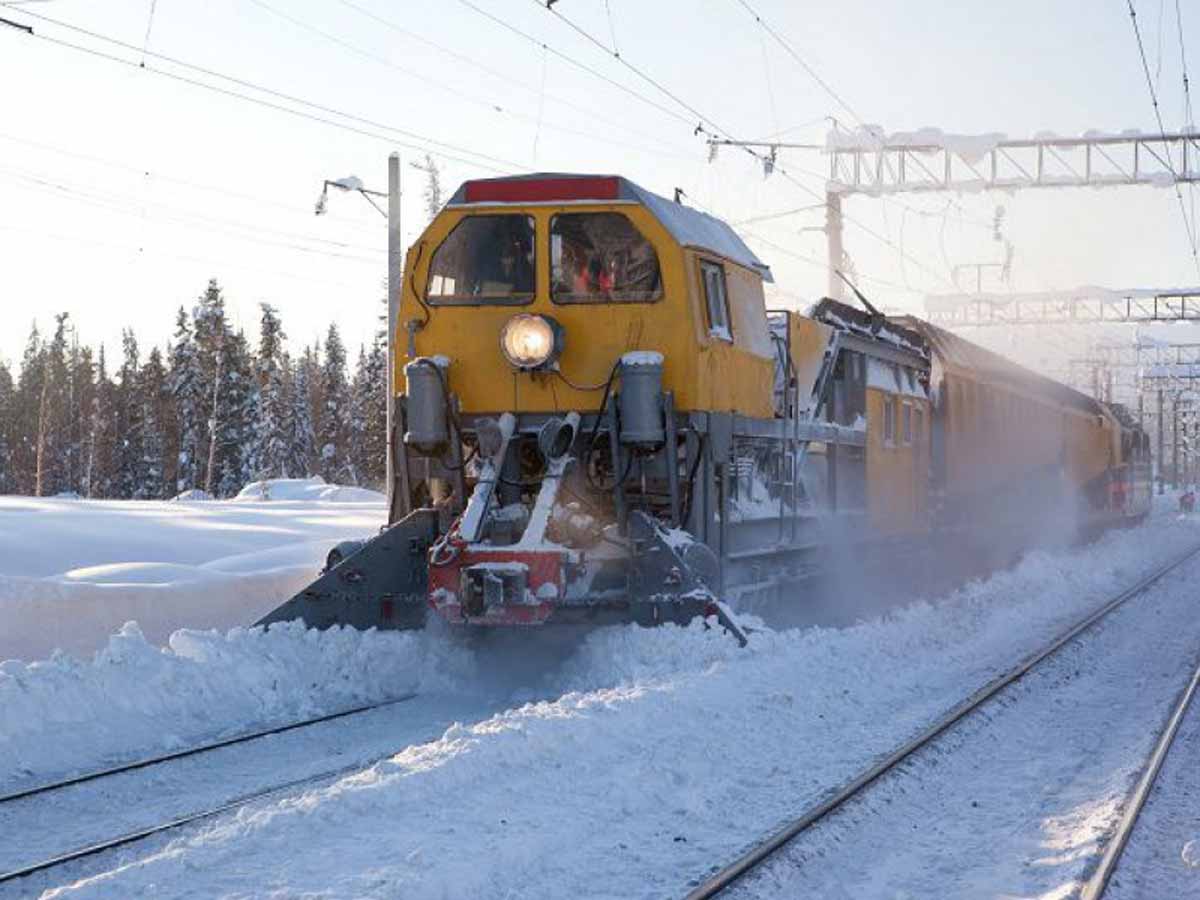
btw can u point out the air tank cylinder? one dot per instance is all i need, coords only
(428, 396)
(640, 400)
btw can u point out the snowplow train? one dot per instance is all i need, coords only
(600, 421)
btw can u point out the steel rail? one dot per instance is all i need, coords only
(194, 751)
(1095, 886)
(717, 882)
(239, 801)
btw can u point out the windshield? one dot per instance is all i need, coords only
(485, 259)
(601, 257)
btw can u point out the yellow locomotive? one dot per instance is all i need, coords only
(601, 421)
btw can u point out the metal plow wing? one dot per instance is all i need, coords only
(382, 585)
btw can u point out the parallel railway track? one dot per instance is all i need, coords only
(1097, 883)
(96, 848)
(725, 876)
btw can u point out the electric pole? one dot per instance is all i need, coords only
(394, 284)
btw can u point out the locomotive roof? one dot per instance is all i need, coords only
(961, 353)
(689, 226)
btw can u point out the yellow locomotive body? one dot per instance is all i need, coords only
(599, 420)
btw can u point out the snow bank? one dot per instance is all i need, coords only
(311, 489)
(66, 715)
(72, 572)
(671, 749)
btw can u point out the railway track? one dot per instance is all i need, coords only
(1097, 883)
(56, 788)
(727, 875)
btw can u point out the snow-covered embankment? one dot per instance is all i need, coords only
(667, 750)
(72, 572)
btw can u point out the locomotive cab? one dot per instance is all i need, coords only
(609, 268)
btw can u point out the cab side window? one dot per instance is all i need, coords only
(716, 300)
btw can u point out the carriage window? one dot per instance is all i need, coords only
(601, 257)
(716, 300)
(485, 259)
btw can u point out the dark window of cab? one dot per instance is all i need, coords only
(601, 257)
(485, 259)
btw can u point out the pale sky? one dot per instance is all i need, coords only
(122, 192)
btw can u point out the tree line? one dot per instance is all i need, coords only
(211, 412)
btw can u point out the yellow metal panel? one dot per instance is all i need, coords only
(735, 376)
(808, 340)
(896, 472)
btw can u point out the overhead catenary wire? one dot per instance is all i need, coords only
(434, 147)
(439, 84)
(1187, 224)
(820, 263)
(207, 187)
(507, 77)
(787, 47)
(570, 60)
(175, 216)
(203, 260)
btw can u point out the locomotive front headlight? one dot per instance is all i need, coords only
(531, 341)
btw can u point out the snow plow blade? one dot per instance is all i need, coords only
(383, 585)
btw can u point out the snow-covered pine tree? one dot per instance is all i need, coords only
(53, 434)
(433, 188)
(211, 332)
(271, 429)
(302, 439)
(374, 389)
(185, 383)
(100, 467)
(311, 362)
(77, 392)
(83, 406)
(155, 414)
(235, 417)
(358, 423)
(7, 394)
(333, 432)
(130, 407)
(26, 404)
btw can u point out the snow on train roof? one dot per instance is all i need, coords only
(959, 352)
(689, 226)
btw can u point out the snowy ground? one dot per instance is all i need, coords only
(647, 757)
(72, 572)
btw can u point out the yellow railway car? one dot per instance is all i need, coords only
(601, 421)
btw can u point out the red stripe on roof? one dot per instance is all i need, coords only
(540, 190)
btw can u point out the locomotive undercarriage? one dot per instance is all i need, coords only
(540, 519)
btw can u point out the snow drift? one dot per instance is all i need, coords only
(312, 489)
(72, 572)
(134, 699)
